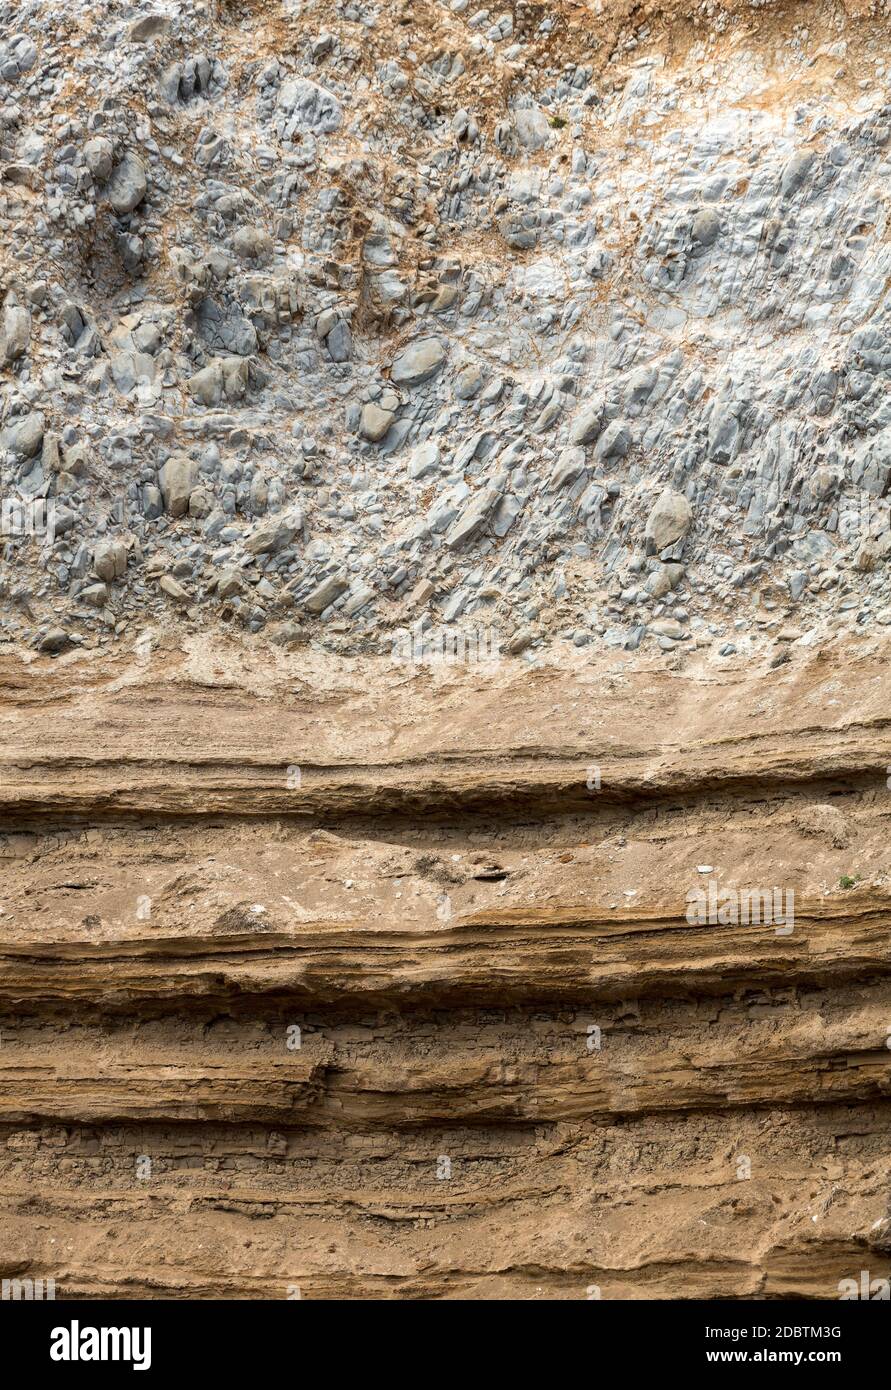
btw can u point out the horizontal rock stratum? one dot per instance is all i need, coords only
(377, 994)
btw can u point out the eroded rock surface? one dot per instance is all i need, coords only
(375, 992)
(302, 250)
(445, 465)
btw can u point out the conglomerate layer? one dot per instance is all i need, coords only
(329, 320)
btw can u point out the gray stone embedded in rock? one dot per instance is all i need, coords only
(614, 442)
(54, 640)
(472, 518)
(173, 589)
(468, 382)
(19, 54)
(287, 634)
(152, 502)
(424, 460)
(15, 332)
(418, 362)
(669, 520)
(325, 593)
(304, 106)
(127, 186)
(505, 514)
(275, 533)
(225, 328)
(375, 422)
(251, 243)
(335, 333)
(228, 583)
(96, 595)
(531, 125)
(569, 466)
(668, 627)
(99, 154)
(110, 560)
(797, 584)
(176, 479)
(796, 171)
(706, 227)
(148, 26)
(521, 639)
(723, 435)
(23, 436)
(587, 424)
(871, 464)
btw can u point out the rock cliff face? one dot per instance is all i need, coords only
(324, 321)
(445, 481)
(329, 980)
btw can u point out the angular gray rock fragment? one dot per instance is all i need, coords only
(54, 640)
(424, 460)
(15, 332)
(228, 583)
(96, 595)
(176, 479)
(274, 534)
(339, 342)
(587, 424)
(796, 171)
(24, 435)
(871, 465)
(472, 518)
(198, 76)
(614, 442)
(224, 377)
(468, 382)
(360, 598)
(225, 328)
(519, 230)
(18, 55)
(669, 520)
(110, 560)
(569, 466)
(505, 514)
(173, 589)
(531, 125)
(325, 593)
(148, 26)
(251, 243)
(706, 227)
(99, 154)
(287, 634)
(723, 435)
(303, 106)
(668, 627)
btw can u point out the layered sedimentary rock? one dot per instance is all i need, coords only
(445, 510)
(367, 995)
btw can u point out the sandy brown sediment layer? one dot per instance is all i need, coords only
(522, 1072)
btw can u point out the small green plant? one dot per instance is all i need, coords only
(558, 122)
(846, 881)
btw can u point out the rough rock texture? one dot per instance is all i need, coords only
(375, 994)
(445, 466)
(289, 247)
